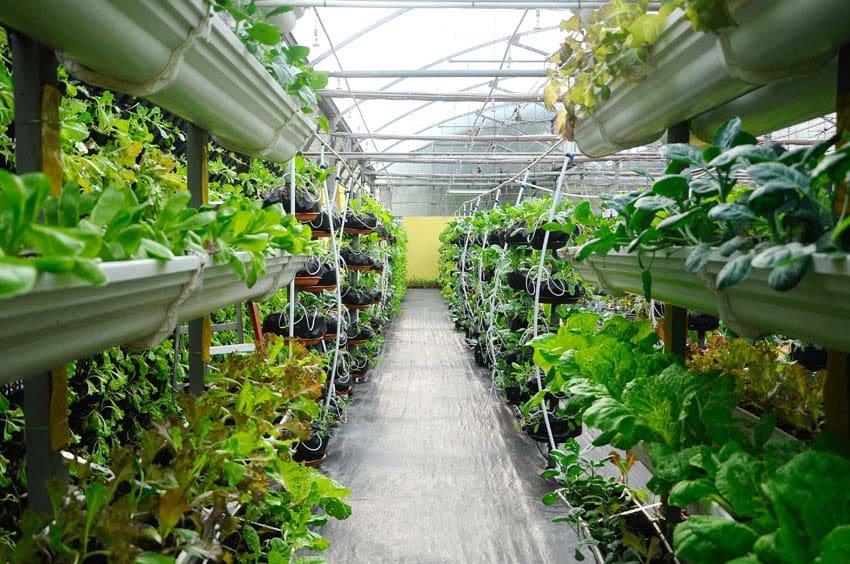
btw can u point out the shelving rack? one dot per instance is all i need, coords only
(771, 80)
(185, 59)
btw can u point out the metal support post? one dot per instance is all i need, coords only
(200, 331)
(37, 150)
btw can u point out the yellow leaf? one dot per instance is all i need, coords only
(572, 24)
(550, 94)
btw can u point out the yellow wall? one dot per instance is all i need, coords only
(423, 245)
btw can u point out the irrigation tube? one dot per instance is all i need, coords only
(521, 188)
(526, 169)
(292, 296)
(338, 293)
(555, 201)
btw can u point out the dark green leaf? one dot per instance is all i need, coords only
(734, 271)
(687, 492)
(762, 173)
(738, 481)
(777, 255)
(731, 212)
(772, 187)
(646, 283)
(835, 546)
(683, 152)
(786, 276)
(751, 153)
(678, 221)
(153, 558)
(550, 498)
(698, 257)
(734, 244)
(671, 185)
(727, 133)
(707, 539)
(654, 203)
(703, 186)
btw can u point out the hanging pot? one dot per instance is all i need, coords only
(312, 451)
(551, 291)
(519, 235)
(307, 205)
(321, 226)
(355, 260)
(310, 274)
(360, 224)
(359, 334)
(309, 328)
(563, 428)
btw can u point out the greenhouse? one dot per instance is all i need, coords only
(418, 281)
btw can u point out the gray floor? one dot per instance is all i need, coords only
(437, 470)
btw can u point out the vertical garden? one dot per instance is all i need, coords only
(187, 304)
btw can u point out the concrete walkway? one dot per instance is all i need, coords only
(438, 472)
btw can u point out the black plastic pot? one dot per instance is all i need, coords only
(480, 355)
(514, 395)
(521, 236)
(518, 323)
(305, 201)
(496, 238)
(311, 450)
(311, 326)
(561, 429)
(358, 333)
(356, 297)
(312, 268)
(698, 321)
(810, 357)
(551, 291)
(362, 222)
(322, 224)
(353, 258)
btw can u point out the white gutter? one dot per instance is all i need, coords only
(777, 105)
(179, 56)
(696, 72)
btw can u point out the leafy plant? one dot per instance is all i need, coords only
(615, 44)
(767, 383)
(790, 213)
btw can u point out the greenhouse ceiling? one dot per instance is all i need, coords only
(438, 105)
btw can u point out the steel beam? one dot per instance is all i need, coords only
(479, 4)
(439, 73)
(433, 96)
(533, 138)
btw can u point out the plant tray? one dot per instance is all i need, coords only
(357, 342)
(319, 289)
(357, 306)
(816, 310)
(306, 217)
(318, 461)
(320, 234)
(63, 319)
(306, 281)
(358, 267)
(353, 231)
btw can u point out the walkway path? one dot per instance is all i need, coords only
(437, 470)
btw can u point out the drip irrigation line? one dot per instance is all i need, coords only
(526, 169)
(555, 201)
